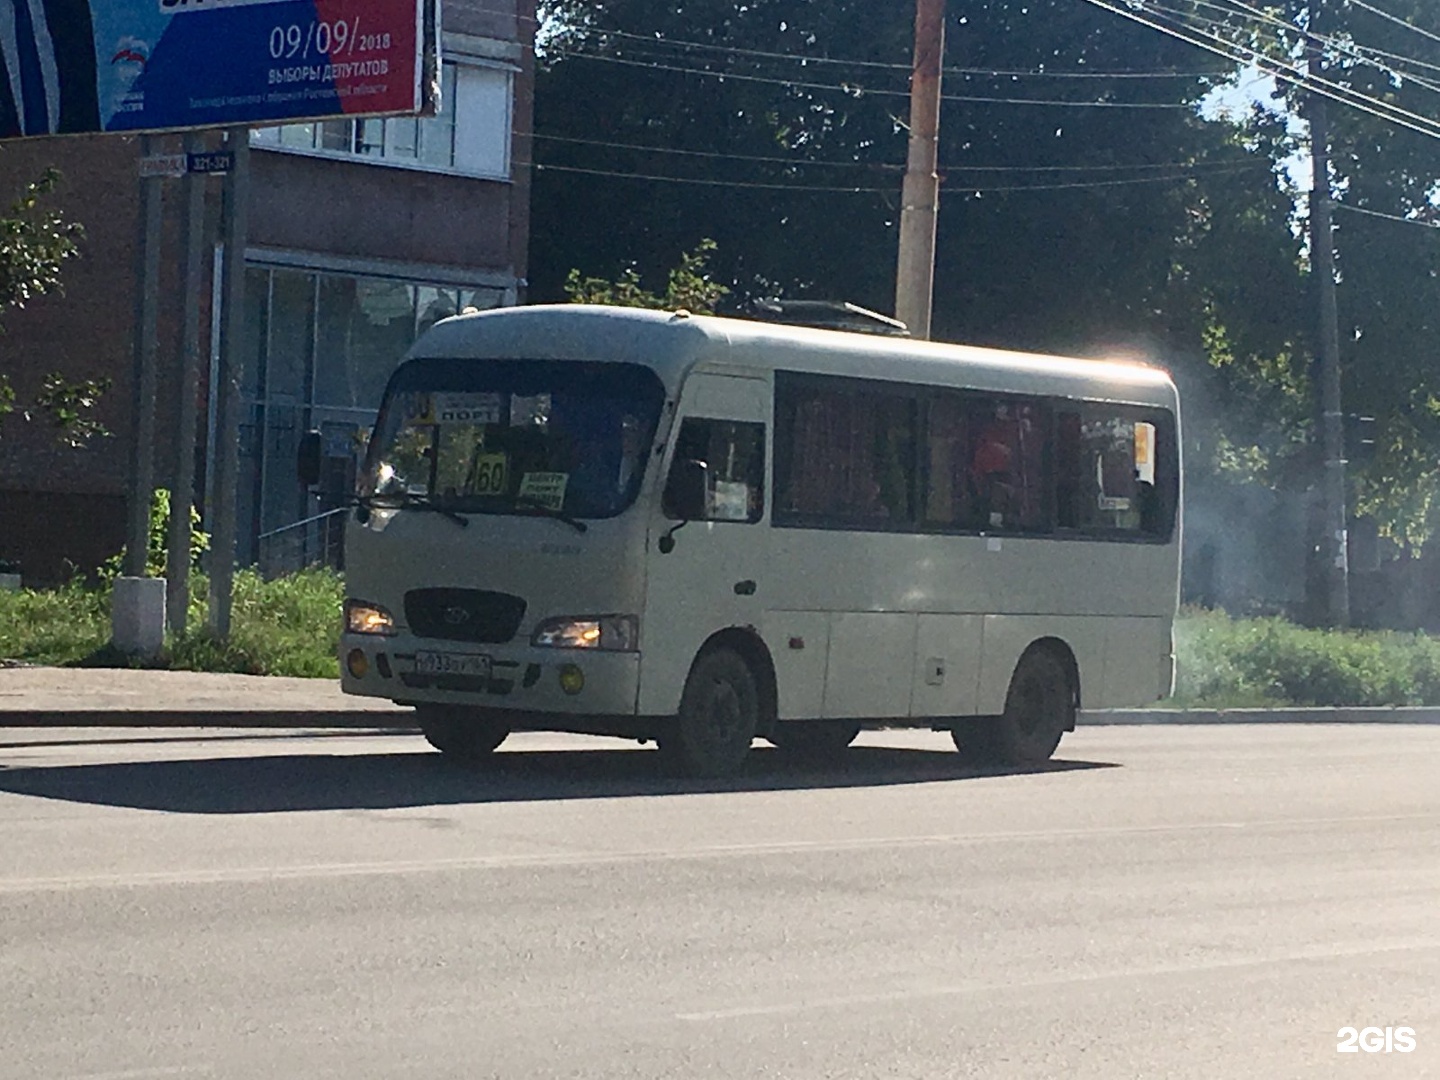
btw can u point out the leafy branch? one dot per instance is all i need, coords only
(35, 243)
(688, 286)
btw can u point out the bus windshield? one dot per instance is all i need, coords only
(513, 437)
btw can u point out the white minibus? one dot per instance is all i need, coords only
(701, 531)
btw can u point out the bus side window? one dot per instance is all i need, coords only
(734, 457)
(1069, 468)
(846, 457)
(1115, 471)
(1006, 464)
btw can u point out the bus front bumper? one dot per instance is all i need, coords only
(568, 682)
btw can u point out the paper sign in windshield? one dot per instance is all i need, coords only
(545, 489)
(463, 408)
(731, 501)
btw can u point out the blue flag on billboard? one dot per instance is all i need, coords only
(79, 66)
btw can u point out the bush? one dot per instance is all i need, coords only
(158, 541)
(1225, 662)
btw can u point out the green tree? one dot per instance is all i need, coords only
(1388, 247)
(688, 285)
(777, 128)
(1080, 211)
(35, 243)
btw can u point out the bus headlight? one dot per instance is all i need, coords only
(362, 617)
(614, 633)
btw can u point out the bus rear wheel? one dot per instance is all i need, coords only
(814, 738)
(1040, 707)
(462, 734)
(718, 718)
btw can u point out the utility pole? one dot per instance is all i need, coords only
(147, 300)
(232, 370)
(182, 491)
(1332, 417)
(920, 196)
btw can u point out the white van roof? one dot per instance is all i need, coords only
(673, 342)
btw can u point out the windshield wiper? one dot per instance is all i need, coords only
(549, 511)
(422, 502)
(411, 501)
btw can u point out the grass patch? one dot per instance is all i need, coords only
(53, 626)
(1232, 663)
(289, 626)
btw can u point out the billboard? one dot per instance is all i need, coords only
(80, 66)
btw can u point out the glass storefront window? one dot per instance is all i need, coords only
(432, 305)
(319, 350)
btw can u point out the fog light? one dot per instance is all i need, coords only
(357, 664)
(572, 679)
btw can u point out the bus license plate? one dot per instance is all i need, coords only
(449, 663)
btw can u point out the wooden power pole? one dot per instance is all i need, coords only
(1335, 545)
(920, 196)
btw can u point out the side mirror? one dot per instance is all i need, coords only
(687, 490)
(307, 459)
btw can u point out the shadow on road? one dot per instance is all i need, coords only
(289, 782)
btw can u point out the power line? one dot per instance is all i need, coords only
(1244, 54)
(1395, 19)
(885, 165)
(1291, 74)
(1363, 53)
(1355, 52)
(1347, 48)
(1352, 49)
(1385, 216)
(857, 91)
(889, 166)
(1371, 50)
(960, 189)
(509, 13)
(883, 65)
(848, 189)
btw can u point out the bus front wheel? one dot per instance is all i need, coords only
(1040, 707)
(460, 733)
(718, 718)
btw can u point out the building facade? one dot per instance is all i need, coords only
(361, 234)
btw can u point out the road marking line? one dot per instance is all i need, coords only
(233, 875)
(920, 993)
(145, 1074)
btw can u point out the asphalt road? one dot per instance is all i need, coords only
(1163, 902)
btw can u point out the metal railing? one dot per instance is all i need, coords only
(318, 540)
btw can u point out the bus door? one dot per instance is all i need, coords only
(708, 574)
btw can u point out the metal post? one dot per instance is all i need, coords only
(147, 299)
(232, 366)
(1332, 428)
(920, 195)
(182, 491)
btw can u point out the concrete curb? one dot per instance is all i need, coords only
(378, 720)
(1126, 717)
